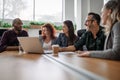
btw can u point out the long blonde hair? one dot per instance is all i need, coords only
(118, 12)
(112, 18)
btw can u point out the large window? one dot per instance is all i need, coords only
(1, 9)
(48, 10)
(105, 1)
(39, 10)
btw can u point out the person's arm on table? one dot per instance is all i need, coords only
(69, 48)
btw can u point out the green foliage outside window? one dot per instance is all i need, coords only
(26, 26)
(8, 25)
(36, 23)
(5, 25)
(58, 27)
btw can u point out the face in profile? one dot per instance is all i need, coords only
(104, 16)
(65, 28)
(89, 22)
(45, 32)
(18, 27)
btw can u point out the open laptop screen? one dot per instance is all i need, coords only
(31, 44)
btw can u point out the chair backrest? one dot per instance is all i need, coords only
(40, 32)
(80, 32)
(1, 32)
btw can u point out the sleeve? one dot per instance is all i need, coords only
(77, 38)
(58, 40)
(79, 44)
(24, 33)
(113, 53)
(54, 41)
(3, 42)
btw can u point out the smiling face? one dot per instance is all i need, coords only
(45, 32)
(17, 24)
(89, 22)
(65, 28)
(17, 27)
(104, 16)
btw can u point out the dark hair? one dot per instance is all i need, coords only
(96, 17)
(70, 26)
(51, 29)
(17, 21)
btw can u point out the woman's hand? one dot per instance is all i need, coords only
(60, 49)
(83, 53)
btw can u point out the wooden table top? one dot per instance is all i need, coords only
(33, 67)
(91, 67)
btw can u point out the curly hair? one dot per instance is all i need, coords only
(51, 29)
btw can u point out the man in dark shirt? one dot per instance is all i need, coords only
(93, 38)
(9, 38)
(90, 42)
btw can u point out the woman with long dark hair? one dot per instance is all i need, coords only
(68, 36)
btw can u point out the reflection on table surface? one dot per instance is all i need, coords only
(33, 67)
(92, 67)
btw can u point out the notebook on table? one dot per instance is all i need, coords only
(32, 45)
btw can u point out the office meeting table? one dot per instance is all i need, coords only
(93, 68)
(34, 67)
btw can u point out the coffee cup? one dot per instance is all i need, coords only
(55, 49)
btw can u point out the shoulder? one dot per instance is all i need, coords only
(87, 33)
(23, 31)
(116, 27)
(8, 32)
(61, 34)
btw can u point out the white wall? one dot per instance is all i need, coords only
(83, 7)
(86, 6)
(68, 10)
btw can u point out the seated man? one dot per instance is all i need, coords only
(92, 39)
(9, 38)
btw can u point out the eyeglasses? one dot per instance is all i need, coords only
(89, 20)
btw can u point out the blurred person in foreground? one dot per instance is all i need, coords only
(111, 19)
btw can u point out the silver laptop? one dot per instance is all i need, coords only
(32, 45)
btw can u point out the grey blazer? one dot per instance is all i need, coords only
(112, 45)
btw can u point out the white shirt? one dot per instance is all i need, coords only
(47, 46)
